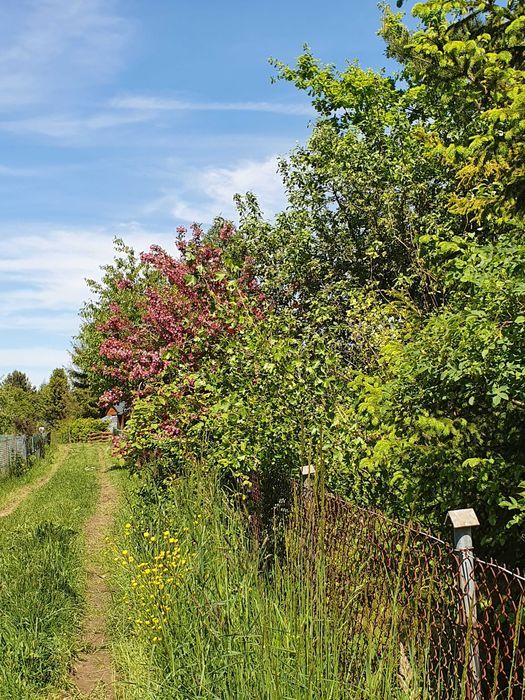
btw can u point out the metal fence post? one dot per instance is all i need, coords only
(463, 521)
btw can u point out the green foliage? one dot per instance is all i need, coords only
(56, 398)
(23, 409)
(19, 380)
(19, 410)
(84, 399)
(406, 206)
(79, 429)
(517, 506)
(465, 72)
(361, 195)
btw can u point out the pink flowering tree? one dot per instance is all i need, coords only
(152, 323)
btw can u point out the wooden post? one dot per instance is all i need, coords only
(463, 521)
(307, 472)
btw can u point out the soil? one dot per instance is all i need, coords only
(19, 496)
(93, 673)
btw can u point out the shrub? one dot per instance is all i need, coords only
(79, 429)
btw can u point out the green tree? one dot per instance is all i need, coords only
(56, 398)
(394, 341)
(19, 410)
(84, 399)
(403, 241)
(464, 71)
(18, 379)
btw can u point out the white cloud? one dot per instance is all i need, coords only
(132, 110)
(42, 274)
(58, 323)
(204, 194)
(57, 46)
(163, 104)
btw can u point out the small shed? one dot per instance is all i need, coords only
(117, 415)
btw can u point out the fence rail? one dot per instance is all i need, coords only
(104, 436)
(405, 579)
(16, 450)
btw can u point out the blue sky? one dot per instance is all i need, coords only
(130, 118)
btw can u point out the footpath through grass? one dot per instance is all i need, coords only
(42, 578)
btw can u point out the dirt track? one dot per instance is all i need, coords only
(93, 674)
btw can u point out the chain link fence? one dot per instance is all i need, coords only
(382, 576)
(17, 450)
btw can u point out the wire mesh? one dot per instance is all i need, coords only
(18, 449)
(393, 581)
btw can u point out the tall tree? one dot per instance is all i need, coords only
(56, 398)
(18, 379)
(404, 239)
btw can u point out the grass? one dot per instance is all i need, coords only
(35, 469)
(42, 579)
(199, 615)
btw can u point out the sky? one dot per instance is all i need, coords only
(129, 118)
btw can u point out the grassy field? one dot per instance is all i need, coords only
(42, 577)
(197, 615)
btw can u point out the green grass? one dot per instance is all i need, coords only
(202, 617)
(42, 579)
(36, 468)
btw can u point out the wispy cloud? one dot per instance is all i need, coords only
(66, 127)
(162, 104)
(133, 110)
(42, 274)
(57, 46)
(9, 171)
(204, 194)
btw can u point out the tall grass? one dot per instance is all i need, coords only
(41, 580)
(199, 613)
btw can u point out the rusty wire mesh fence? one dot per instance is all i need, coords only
(17, 450)
(393, 583)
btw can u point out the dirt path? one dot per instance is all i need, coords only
(21, 494)
(93, 674)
